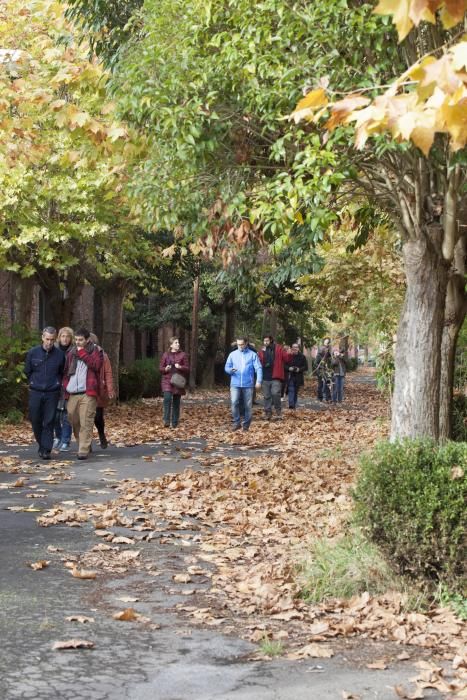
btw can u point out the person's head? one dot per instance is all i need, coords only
(268, 340)
(81, 337)
(65, 336)
(242, 344)
(49, 336)
(93, 338)
(336, 353)
(174, 344)
(327, 341)
(295, 348)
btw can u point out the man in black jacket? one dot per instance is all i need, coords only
(44, 370)
(295, 370)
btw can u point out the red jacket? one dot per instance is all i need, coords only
(106, 384)
(172, 358)
(92, 356)
(280, 358)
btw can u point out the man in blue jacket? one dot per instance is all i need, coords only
(44, 370)
(242, 364)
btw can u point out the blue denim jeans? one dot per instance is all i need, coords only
(42, 410)
(247, 394)
(292, 391)
(62, 427)
(338, 390)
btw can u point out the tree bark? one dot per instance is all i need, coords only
(113, 295)
(230, 314)
(24, 291)
(416, 398)
(454, 315)
(61, 294)
(194, 334)
(207, 379)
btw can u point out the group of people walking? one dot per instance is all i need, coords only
(276, 369)
(70, 383)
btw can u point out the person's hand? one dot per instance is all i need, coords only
(234, 369)
(168, 368)
(257, 385)
(111, 396)
(177, 366)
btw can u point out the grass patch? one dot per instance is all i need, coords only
(271, 647)
(344, 568)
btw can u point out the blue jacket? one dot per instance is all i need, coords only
(246, 363)
(43, 369)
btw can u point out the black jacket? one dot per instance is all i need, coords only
(296, 368)
(43, 369)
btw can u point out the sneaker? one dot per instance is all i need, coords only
(64, 447)
(56, 443)
(45, 454)
(166, 425)
(236, 427)
(246, 428)
(104, 443)
(82, 456)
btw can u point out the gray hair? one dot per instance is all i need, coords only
(49, 329)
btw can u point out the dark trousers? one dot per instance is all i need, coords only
(324, 391)
(42, 409)
(338, 389)
(171, 406)
(292, 391)
(99, 421)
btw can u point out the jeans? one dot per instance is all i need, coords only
(272, 396)
(247, 394)
(62, 427)
(171, 405)
(338, 391)
(323, 389)
(292, 390)
(42, 410)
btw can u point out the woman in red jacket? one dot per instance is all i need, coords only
(105, 393)
(174, 369)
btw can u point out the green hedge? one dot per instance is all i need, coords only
(411, 500)
(14, 345)
(459, 418)
(139, 380)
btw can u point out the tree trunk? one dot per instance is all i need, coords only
(453, 319)
(416, 398)
(61, 294)
(207, 379)
(230, 314)
(24, 292)
(112, 295)
(194, 334)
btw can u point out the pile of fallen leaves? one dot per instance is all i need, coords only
(245, 520)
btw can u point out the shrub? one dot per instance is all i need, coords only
(410, 497)
(140, 379)
(344, 568)
(351, 363)
(14, 345)
(459, 418)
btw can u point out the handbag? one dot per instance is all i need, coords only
(178, 380)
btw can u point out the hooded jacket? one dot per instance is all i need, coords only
(246, 363)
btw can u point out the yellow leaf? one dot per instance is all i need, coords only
(423, 138)
(400, 9)
(313, 99)
(459, 55)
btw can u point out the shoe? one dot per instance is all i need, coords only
(166, 425)
(104, 443)
(56, 443)
(82, 456)
(236, 427)
(44, 454)
(246, 428)
(267, 416)
(278, 417)
(64, 447)
(175, 425)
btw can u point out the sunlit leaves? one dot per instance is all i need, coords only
(407, 13)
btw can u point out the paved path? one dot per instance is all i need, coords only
(130, 661)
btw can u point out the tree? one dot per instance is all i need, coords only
(422, 187)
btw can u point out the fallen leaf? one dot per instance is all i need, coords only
(83, 573)
(379, 665)
(72, 644)
(42, 564)
(127, 615)
(314, 651)
(182, 578)
(79, 618)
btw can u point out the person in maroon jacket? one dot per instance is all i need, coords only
(81, 385)
(173, 362)
(273, 358)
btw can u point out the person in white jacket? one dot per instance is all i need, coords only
(241, 365)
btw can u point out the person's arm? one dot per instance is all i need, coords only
(258, 369)
(108, 376)
(92, 359)
(183, 365)
(28, 365)
(163, 363)
(229, 365)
